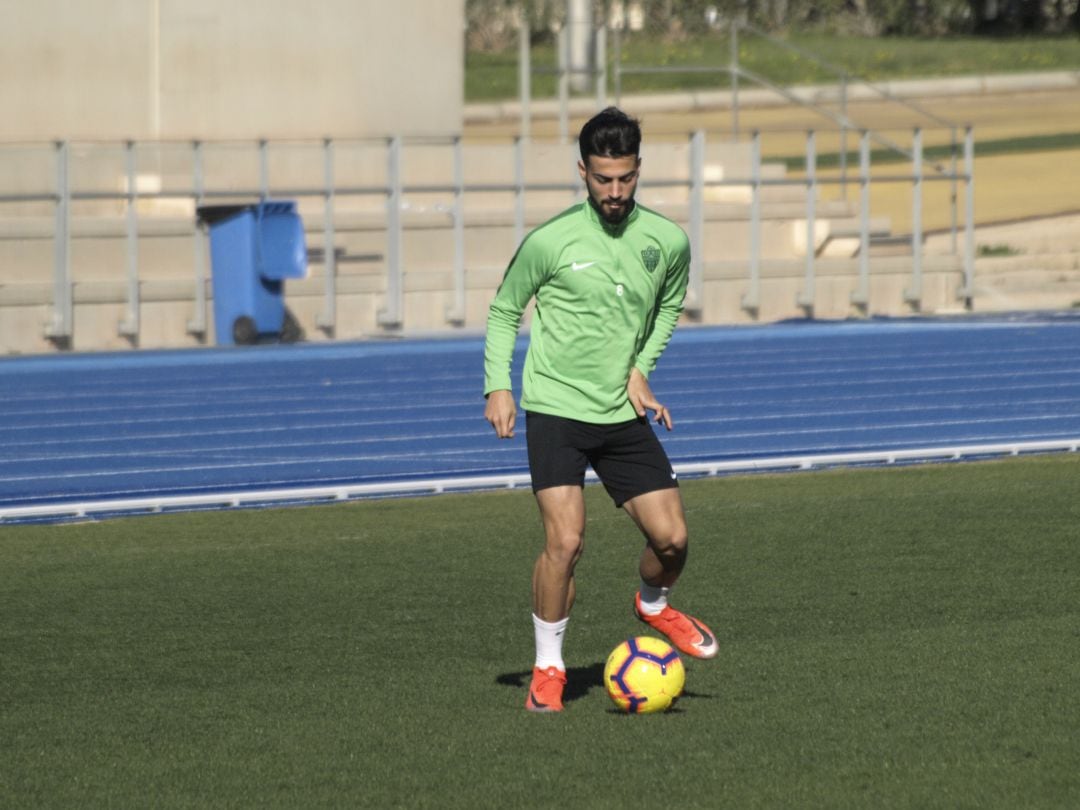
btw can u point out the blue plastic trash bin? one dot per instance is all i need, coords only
(253, 249)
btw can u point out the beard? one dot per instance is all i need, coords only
(612, 214)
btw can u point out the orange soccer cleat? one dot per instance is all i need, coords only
(545, 691)
(688, 634)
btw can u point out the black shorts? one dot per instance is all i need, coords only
(626, 456)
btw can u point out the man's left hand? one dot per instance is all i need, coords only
(641, 397)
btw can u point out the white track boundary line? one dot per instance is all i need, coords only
(435, 486)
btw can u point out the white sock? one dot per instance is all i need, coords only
(653, 598)
(549, 638)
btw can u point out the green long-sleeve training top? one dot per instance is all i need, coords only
(607, 300)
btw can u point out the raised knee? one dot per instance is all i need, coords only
(671, 543)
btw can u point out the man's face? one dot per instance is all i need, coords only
(612, 182)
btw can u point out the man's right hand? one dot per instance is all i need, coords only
(501, 413)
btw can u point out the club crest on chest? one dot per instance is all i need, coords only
(651, 257)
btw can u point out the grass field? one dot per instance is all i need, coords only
(904, 637)
(491, 76)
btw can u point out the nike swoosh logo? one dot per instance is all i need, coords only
(706, 637)
(535, 702)
(578, 266)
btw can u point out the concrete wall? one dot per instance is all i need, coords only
(183, 69)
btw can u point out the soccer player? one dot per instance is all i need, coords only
(609, 278)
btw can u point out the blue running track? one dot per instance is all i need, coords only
(111, 433)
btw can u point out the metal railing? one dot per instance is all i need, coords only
(198, 184)
(738, 73)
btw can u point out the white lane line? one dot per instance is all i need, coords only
(319, 459)
(722, 389)
(194, 448)
(341, 492)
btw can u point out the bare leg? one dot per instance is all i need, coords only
(661, 519)
(659, 515)
(562, 510)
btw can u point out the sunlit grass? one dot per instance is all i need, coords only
(490, 76)
(889, 638)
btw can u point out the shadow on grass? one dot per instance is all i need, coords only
(678, 707)
(579, 682)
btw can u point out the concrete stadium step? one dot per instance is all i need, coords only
(1025, 265)
(1027, 282)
